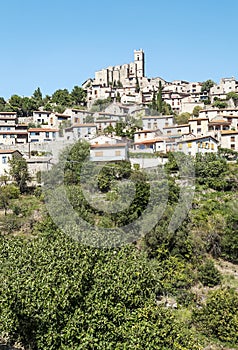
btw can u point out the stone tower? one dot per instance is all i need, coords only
(139, 60)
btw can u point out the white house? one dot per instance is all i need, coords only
(229, 139)
(109, 152)
(5, 156)
(177, 129)
(157, 122)
(104, 123)
(81, 131)
(145, 135)
(44, 118)
(42, 134)
(199, 126)
(195, 145)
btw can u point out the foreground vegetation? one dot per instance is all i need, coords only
(169, 290)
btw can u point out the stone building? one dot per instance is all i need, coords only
(122, 74)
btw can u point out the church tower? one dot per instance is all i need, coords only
(139, 60)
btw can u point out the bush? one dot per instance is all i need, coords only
(208, 274)
(219, 316)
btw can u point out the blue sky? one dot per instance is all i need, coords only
(56, 44)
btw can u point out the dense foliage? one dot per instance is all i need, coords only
(164, 290)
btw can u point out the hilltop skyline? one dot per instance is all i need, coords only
(59, 44)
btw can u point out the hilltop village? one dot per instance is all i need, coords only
(125, 114)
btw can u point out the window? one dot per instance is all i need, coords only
(212, 146)
(199, 122)
(4, 160)
(149, 125)
(117, 153)
(180, 146)
(47, 134)
(99, 154)
(145, 135)
(139, 136)
(189, 145)
(232, 138)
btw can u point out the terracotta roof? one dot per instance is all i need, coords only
(15, 132)
(8, 113)
(221, 121)
(63, 115)
(105, 113)
(146, 142)
(195, 119)
(198, 138)
(42, 130)
(9, 151)
(108, 145)
(83, 125)
(219, 109)
(229, 132)
(43, 112)
(157, 116)
(105, 120)
(176, 126)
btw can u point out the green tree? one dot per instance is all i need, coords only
(62, 97)
(78, 96)
(7, 193)
(19, 172)
(89, 119)
(207, 85)
(220, 104)
(196, 110)
(153, 103)
(219, 316)
(37, 97)
(208, 274)
(74, 158)
(233, 96)
(62, 295)
(137, 85)
(159, 99)
(182, 118)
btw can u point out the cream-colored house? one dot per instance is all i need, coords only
(213, 112)
(145, 135)
(157, 122)
(5, 156)
(81, 131)
(109, 152)
(177, 129)
(229, 139)
(104, 123)
(199, 126)
(42, 134)
(44, 118)
(103, 139)
(203, 144)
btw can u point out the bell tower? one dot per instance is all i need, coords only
(139, 60)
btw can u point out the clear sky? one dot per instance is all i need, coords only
(56, 44)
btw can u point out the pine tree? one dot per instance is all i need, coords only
(160, 99)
